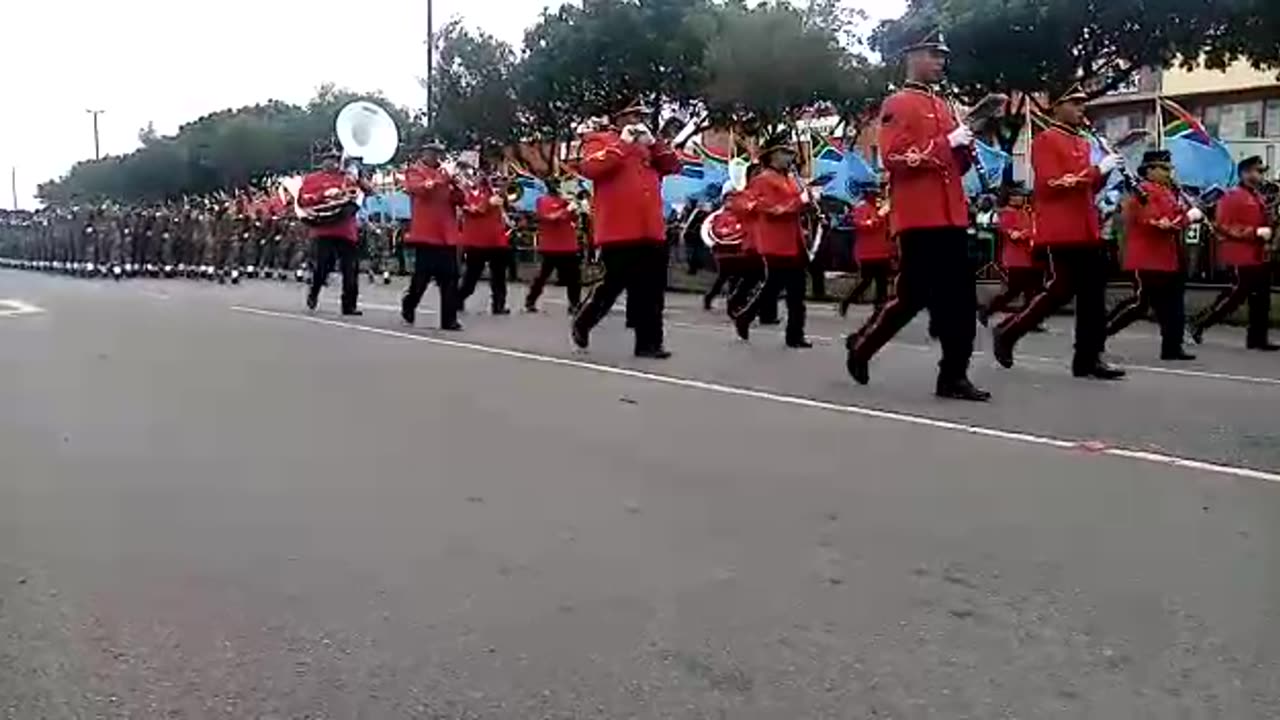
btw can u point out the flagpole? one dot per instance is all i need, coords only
(1159, 124)
(1026, 155)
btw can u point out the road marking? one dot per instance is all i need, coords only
(793, 400)
(13, 308)
(155, 294)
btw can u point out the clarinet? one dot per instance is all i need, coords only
(1130, 180)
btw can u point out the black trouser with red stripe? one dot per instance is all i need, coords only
(439, 263)
(1252, 283)
(1024, 282)
(568, 269)
(758, 296)
(331, 251)
(1154, 290)
(497, 259)
(936, 273)
(1078, 272)
(871, 272)
(640, 268)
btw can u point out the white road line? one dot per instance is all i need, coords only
(793, 400)
(155, 294)
(13, 308)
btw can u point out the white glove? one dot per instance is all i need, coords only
(628, 134)
(496, 200)
(1264, 233)
(805, 196)
(644, 135)
(960, 137)
(1194, 215)
(1108, 163)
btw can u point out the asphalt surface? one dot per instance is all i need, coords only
(213, 505)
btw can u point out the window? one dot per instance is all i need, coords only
(1271, 128)
(1236, 121)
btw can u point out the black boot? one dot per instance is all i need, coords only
(961, 389)
(1002, 348)
(1262, 346)
(407, 313)
(1095, 369)
(857, 366)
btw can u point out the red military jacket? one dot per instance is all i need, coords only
(322, 187)
(925, 172)
(433, 214)
(1153, 231)
(1065, 186)
(557, 226)
(775, 222)
(1240, 213)
(483, 226)
(871, 241)
(627, 177)
(1017, 235)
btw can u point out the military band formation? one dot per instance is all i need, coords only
(912, 238)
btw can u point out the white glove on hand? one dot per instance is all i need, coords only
(805, 196)
(644, 135)
(1195, 215)
(629, 134)
(960, 137)
(1108, 163)
(496, 200)
(1264, 233)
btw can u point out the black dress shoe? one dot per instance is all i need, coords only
(654, 353)
(984, 316)
(1177, 355)
(1263, 347)
(743, 329)
(501, 311)
(452, 327)
(961, 389)
(531, 308)
(312, 300)
(1001, 348)
(408, 314)
(1197, 334)
(1097, 370)
(857, 366)
(353, 313)
(843, 308)
(800, 344)
(580, 337)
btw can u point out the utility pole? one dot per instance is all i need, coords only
(13, 185)
(431, 56)
(97, 147)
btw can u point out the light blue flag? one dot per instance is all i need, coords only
(994, 160)
(849, 174)
(1201, 166)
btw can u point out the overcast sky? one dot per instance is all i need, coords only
(158, 61)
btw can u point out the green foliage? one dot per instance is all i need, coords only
(221, 151)
(1033, 45)
(769, 63)
(473, 98)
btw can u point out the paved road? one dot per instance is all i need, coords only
(212, 506)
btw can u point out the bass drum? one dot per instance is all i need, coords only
(717, 244)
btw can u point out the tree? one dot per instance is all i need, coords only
(1030, 46)
(474, 98)
(225, 150)
(769, 64)
(1249, 29)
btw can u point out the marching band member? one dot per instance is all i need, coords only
(729, 227)
(1023, 276)
(433, 235)
(873, 249)
(1067, 224)
(1244, 232)
(485, 242)
(926, 153)
(557, 246)
(626, 163)
(336, 240)
(1153, 252)
(777, 238)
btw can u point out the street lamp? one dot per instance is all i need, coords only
(97, 147)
